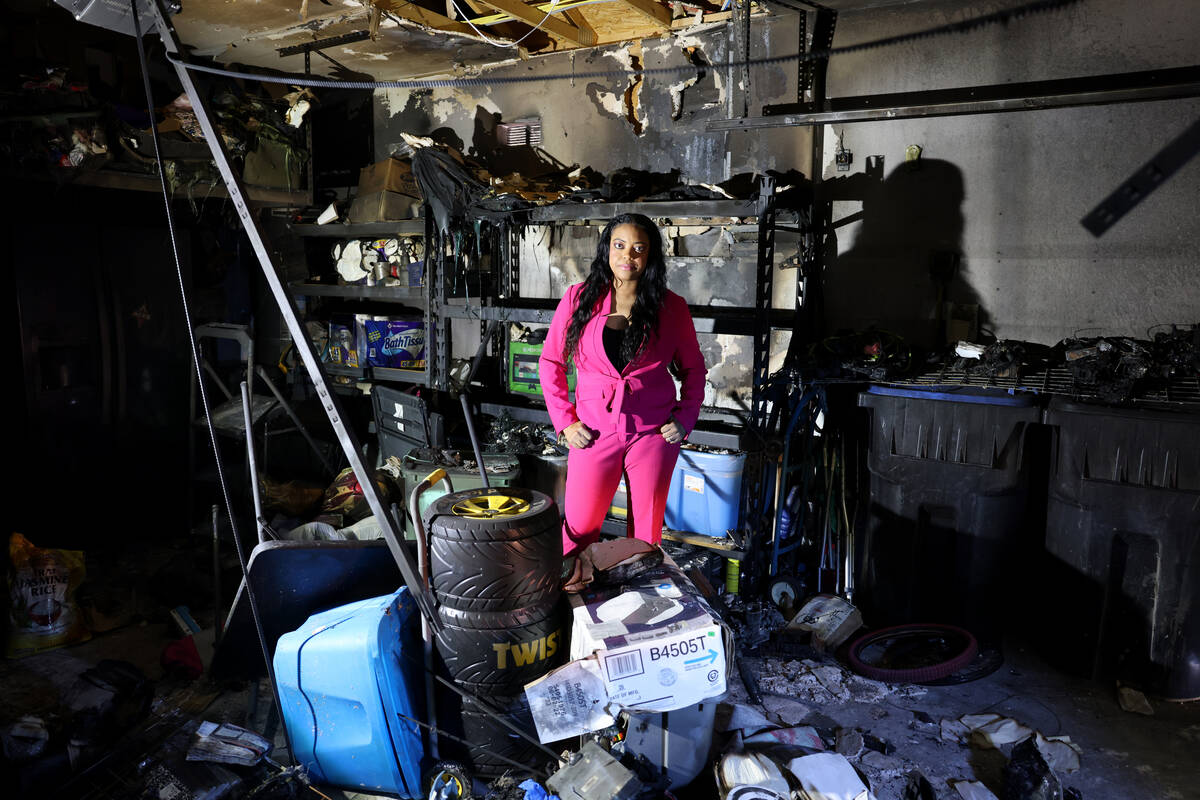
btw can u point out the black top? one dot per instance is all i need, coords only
(612, 347)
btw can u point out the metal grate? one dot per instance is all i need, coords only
(1178, 390)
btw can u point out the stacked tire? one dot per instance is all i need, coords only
(495, 567)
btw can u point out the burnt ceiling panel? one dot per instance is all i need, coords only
(434, 37)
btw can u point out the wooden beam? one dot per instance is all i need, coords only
(423, 16)
(660, 15)
(553, 26)
(576, 19)
(553, 8)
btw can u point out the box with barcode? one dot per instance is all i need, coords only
(651, 644)
(658, 644)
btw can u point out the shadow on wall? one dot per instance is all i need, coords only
(906, 258)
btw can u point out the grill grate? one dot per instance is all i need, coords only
(520, 132)
(1178, 390)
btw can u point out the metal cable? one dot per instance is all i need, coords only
(499, 43)
(1005, 16)
(196, 363)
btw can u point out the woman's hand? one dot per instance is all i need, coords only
(673, 432)
(578, 435)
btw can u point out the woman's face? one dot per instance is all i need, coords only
(628, 252)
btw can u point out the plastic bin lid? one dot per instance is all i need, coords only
(958, 394)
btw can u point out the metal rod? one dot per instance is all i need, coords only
(216, 556)
(463, 693)
(212, 373)
(320, 44)
(287, 308)
(1133, 87)
(426, 630)
(251, 462)
(434, 731)
(466, 407)
(291, 412)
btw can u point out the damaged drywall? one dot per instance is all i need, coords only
(653, 122)
(619, 120)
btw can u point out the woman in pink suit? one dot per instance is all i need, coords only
(626, 333)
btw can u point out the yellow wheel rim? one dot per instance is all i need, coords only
(490, 506)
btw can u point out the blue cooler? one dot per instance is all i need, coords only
(706, 492)
(345, 676)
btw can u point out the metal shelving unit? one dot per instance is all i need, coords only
(427, 297)
(716, 428)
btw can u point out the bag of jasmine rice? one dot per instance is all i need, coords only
(41, 594)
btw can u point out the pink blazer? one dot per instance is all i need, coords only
(639, 399)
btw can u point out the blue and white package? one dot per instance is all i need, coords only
(395, 343)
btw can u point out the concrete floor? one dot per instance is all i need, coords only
(1123, 754)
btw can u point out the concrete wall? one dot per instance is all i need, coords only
(1007, 191)
(1003, 192)
(585, 121)
(593, 122)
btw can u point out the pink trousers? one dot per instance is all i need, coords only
(593, 472)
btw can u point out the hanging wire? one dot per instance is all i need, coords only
(964, 26)
(196, 362)
(501, 43)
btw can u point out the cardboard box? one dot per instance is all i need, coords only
(383, 207)
(650, 645)
(389, 175)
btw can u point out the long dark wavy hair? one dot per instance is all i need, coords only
(651, 289)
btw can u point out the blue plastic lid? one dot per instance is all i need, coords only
(959, 394)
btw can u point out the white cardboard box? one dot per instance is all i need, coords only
(650, 645)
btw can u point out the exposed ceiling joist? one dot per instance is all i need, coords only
(658, 14)
(550, 24)
(422, 16)
(577, 19)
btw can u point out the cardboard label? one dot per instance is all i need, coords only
(693, 483)
(569, 701)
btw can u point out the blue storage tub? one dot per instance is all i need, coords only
(345, 678)
(706, 492)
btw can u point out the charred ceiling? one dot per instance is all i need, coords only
(398, 39)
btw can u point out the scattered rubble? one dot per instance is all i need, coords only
(1134, 701)
(813, 682)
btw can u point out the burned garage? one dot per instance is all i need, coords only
(602, 399)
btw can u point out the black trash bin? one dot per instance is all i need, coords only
(948, 511)
(1122, 528)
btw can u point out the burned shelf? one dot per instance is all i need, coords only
(692, 209)
(361, 230)
(390, 294)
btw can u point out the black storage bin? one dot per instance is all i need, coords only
(403, 422)
(1123, 519)
(947, 506)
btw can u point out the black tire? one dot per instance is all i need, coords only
(497, 652)
(495, 564)
(913, 653)
(493, 746)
